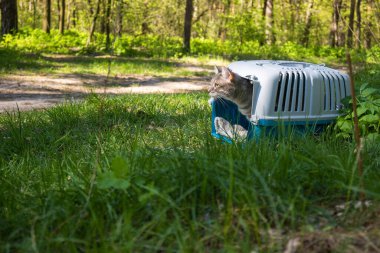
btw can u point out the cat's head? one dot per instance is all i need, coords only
(226, 84)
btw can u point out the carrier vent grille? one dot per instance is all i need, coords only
(334, 90)
(290, 95)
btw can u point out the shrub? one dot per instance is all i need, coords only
(368, 110)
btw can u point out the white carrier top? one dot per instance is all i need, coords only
(293, 91)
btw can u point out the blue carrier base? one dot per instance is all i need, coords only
(229, 111)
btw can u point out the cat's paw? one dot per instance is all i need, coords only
(240, 132)
(225, 128)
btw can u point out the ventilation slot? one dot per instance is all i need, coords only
(344, 86)
(284, 94)
(303, 90)
(290, 94)
(327, 92)
(337, 91)
(297, 92)
(278, 92)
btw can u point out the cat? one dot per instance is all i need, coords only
(229, 85)
(225, 128)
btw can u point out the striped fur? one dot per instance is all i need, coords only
(228, 85)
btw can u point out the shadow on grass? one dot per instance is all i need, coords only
(12, 60)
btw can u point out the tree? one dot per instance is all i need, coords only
(93, 23)
(268, 21)
(368, 33)
(350, 29)
(9, 18)
(187, 27)
(358, 24)
(119, 17)
(334, 28)
(108, 21)
(62, 17)
(306, 32)
(47, 18)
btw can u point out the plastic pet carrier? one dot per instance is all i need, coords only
(288, 95)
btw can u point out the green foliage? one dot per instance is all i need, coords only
(368, 110)
(74, 42)
(141, 173)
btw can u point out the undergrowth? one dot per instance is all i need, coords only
(143, 174)
(74, 42)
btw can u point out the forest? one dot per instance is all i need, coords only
(337, 23)
(106, 127)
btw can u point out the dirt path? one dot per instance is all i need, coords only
(27, 92)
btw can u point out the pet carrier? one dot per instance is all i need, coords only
(301, 95)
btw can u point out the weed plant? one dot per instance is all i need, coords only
(141, 173)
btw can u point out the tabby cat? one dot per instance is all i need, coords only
(228, 85)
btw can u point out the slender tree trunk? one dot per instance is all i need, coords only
(74, 19)
(334, 29)
(351, 24)
(47, 18)
(306, 32)
(268, 21)
(119, 17)
(59, 13)
(34, 14)
(358, 24)
(103, 17)
(93, 23)
(62, 17)
(368, 28)
(225, 11)
(187, 27)
(9, 17)
(293, 18)
(145, 25)
(108, 24)
(68, 10)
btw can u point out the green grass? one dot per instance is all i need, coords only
(141, 173)
(12, 61)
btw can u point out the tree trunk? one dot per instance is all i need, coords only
(358, 24)
(351, 24)
(74, 14)
(108, 24)
(68, 10)
(47, 18)
(119, 17)
(34, 14)
(145, 25)
(268, 21)
(62, 17)
(9, 18)
(334, 29)
(59, 13)
(103, 17)
(187, 26)
(222, 33)
(306, 32)
(93, 24)
(368, 27)
(294, 12)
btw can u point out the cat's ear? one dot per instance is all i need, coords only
(227, 74)
(217, 70)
